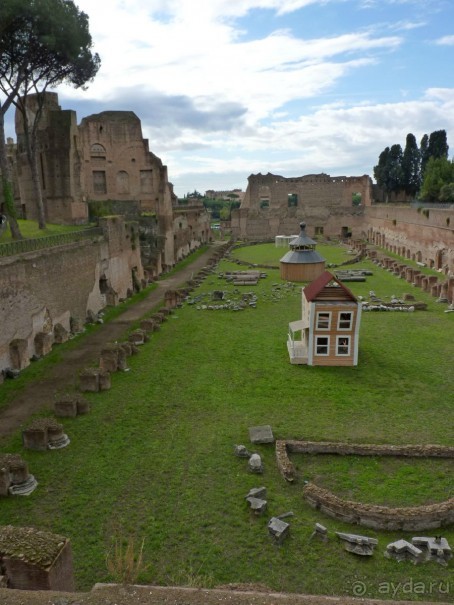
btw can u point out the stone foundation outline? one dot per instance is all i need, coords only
(424, 517)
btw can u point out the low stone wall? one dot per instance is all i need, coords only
(368, 515)
(415, 518)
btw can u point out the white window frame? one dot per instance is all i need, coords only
(317, 320)
(317, 338)
(339, 320)
(338, 344)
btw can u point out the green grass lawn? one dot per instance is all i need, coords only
(154, 458)
(269, 254)
(30, 229)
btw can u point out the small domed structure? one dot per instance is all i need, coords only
(302, 262)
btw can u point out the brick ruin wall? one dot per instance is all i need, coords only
(103, 159)
(325, 203)
(424, 235)
(431, 516)
(191, 229)
(41, 289)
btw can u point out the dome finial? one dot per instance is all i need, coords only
(303, 226)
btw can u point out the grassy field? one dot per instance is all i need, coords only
(154, 458)
(30, 229)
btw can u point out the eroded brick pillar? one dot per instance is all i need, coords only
(18, 353)
(43, 343)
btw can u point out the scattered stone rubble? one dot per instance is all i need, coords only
(321, 532)
(434, 549)
(401, 550)
(353, 275)
(255, 464)
(278, 529)
(358, 545)
(242, 452)
(257, 505)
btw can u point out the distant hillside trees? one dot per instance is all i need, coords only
(219, 208)
(405, 170)
(438, 183)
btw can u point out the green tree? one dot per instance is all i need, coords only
(411, 178)
(395, 168)
(438, 144)
(447, 193)
(381, 169)
(388, 172)
(7, 15)
(43, 43)
(438, 180)
(423, 153)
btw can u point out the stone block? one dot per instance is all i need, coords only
(127, 348)
(35, 439)
(66, 408)
(278, 529)
(104, 380)
(57, 438)
(257, 505)
(261, 434)
(358, 545)
(76, 325)
(5, 481)
(109, 358)
(138, 337)
(241, 451)
(255, 464)
(43, 343)
(148, 325)
(83, 406)
(61, 335)
(321, 532)
(69, 406)
(257, 492)
(122, 363)
(89, 380)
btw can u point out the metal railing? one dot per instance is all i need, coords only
(49, 241)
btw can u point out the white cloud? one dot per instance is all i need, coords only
(219, 102)
(445, 41)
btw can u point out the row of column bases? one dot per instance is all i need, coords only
(443, 291)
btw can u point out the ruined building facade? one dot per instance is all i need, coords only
(104, 159)
(274, 205)
(340, 208)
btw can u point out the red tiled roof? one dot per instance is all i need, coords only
(314, 288)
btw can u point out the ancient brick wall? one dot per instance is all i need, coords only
(424, 235)
(59, 163)
(191, 228)
(40, 289)
(274, 205)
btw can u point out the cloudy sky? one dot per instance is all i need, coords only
(226, 88)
